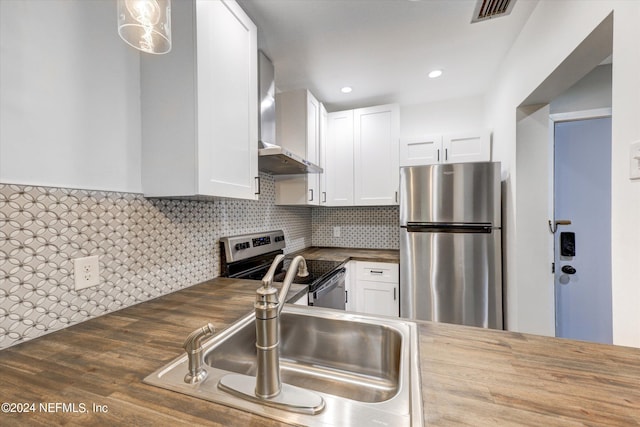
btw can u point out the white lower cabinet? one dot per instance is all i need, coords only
(303, 300)
(349, 288)
(377, 298)
(374, 288)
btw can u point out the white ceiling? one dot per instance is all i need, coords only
(383, 48)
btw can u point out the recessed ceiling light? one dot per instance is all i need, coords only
(435, 73)
(346, 89)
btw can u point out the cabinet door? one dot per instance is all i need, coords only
(298, 130)
(376, 166)
(376, 288)
(323, 155)
(419, 151)
(339, 159)
(467, 147)
(349, 287)
(227, 119)
(377, 298)
(313, 148)
(295, 190)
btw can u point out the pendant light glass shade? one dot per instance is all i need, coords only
(145, 24)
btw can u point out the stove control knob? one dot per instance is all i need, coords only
(240, 246)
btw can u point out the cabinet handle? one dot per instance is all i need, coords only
(257, 185)
(324, 197)
(438, 154)
(394, 294)
(376, 271)
(311, 195)
(346, 297)
(396, 197)
(446, 154)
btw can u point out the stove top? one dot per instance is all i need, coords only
(249, 256)
(318, 269)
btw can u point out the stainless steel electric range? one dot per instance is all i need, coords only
(249, 256)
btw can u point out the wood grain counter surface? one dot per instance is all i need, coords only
(348, 254)
(470, 376)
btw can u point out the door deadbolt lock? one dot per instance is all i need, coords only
(567, 269)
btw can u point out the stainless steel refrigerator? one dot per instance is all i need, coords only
(450, 244)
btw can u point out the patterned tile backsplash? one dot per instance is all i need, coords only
(146, 248)
(360, 227)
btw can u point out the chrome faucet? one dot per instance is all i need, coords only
(193, 346)
(266, 387)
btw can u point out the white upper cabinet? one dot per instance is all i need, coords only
(200, 107)
(419, 151)
(298, 130)
(361, 157)
(337, 149)
(448, 148)
(324, 118)
(467, 147)
(376, 132)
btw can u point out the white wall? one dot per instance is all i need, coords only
(551, 34)
(70, 104)
(454, 115)
(592, 92)
(534, 246)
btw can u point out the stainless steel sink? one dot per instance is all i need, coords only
(365, 367)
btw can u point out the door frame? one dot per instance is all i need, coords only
(554, 118)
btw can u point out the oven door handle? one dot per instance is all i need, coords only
(330, 284)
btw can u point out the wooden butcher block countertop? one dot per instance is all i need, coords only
(470, 376)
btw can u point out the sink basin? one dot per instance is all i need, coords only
(366, 368)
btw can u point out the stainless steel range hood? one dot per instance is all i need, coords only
(280, 161)
(272, 158)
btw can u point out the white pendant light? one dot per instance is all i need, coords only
(145, 24)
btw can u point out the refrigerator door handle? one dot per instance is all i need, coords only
(437, 227)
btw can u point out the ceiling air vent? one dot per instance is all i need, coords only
(487, 9)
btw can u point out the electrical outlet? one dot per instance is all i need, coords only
(86, 271)
(336, 231)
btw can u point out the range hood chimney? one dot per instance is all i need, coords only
(272, 158)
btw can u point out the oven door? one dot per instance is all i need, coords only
(330, 293)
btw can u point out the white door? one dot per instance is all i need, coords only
(376, 155)
(313, 149)
(339, 159)
(467, 147)
(582, 174)
(418, 151)
(227, 94)
(377, 298)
